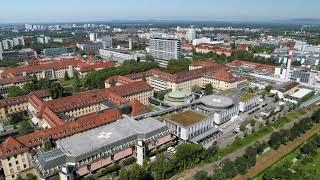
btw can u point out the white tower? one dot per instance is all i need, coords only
(140, 152)
(93, 36)
(289, 63)
(66, 173)
(130, 44)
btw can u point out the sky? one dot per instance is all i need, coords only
(23, 11)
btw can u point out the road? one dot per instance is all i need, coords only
(311, 101)
(228, 128)
(188, 175)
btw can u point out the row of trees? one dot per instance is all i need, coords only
(96, 79)
(248, 56)
(230, 169)
(187, 155)
(283, 136)
(212, 55)
(55, 89)
(262, 49)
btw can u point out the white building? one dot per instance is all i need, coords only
(18, 41)
(165, 49)
(93, 36)
(117, 55)
(1, 51)
(90, 46)
(106, 41)
(7, 44)
(191, 35)
(43, 39)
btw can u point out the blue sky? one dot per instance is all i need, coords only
(101, 10)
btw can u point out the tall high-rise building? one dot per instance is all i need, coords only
(130, 44)
(191, 35)
(18, 41)
(93, 36)
(106, 41)
(7, 44)
(289, 63)
(165, 49)
(1, 51)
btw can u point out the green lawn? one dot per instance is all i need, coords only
(67, 83)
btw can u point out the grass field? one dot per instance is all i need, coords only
(187, 118)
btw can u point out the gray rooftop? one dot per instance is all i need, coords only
(217, 101)
(110, 136)
(83, 145)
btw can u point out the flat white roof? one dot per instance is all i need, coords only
(301, 93)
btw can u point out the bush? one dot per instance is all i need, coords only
(128, 161)
(110, 169)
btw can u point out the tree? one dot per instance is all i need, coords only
(56, 90)
(66, 76)
(208, 89)
(14, 91)
(137, 172)
(47, 145)
(16, 118)
(76, 82)
(175, 66)
(31, 177)
(196, 89)
(201, 175)
(268, 88)
(24, 127)
(242, 127)
(252, 122)
(113, 82)
(123, 174)
(160, 167)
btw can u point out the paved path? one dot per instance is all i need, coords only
(188, 175)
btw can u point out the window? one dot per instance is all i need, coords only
(17, 162)
(18, 168)
(23, 160)
(10, 164)
(25, 166)
(11, 170)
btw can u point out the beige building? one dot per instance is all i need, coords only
(19, 104)
(5, 83)
(200, 74)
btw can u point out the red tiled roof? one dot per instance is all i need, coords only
(22, 99)
(181, 76)
(224, 75)
(204, 63)
(18, 71)
(131, 88)
(21, 144)
(256, 66)
(138, 108)
(119, 79)
(97, 66)
(12, 80)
